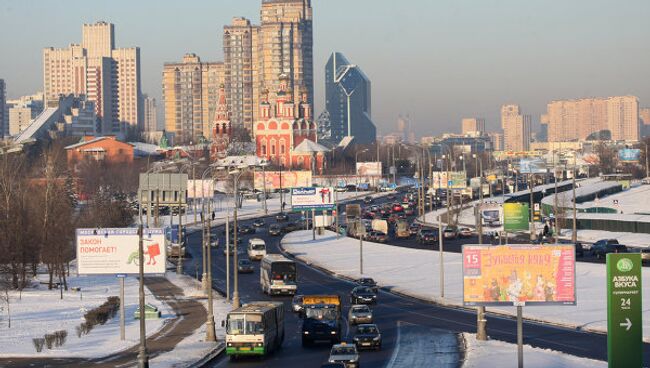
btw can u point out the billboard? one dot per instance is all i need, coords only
(491, 214)
(451, 180)
(515, 216)
(518, 275)
(369, 168)
(115, 251)
(204, 188)
(286, 179)
(532, 166)
(312, 198)
(629, 155)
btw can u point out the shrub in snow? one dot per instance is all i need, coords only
(49, 340)
(60, 337)
(38, 344)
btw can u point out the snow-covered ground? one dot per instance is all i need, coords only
(194, 348)
(223, 205)
(415, 272)
(481, 354)
(40, 311)
(631, 201)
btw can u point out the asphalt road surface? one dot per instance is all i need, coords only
(390, 312)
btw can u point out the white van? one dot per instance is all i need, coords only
(256, 249)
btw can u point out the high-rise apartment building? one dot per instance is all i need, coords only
(190, 97)
(644, 115)
(286, 48)
(150, 114)
(109, 77)
(497, 141)
(242, 77)
(472, 126)
(578, 119)
(3, 114)
(516, 128)
(348, 101)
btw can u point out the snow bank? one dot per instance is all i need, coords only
(415, 272)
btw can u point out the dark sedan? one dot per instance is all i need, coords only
(245, 266)
(363, 295)
(275, 230)
(258, 222)
(367, 336)
(427, 236)
(281, 217)
(245, 229)
(368, 282)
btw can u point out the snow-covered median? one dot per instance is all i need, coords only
(481, 354)
(415, 272)
(40, 311)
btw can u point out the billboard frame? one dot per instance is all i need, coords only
(330, 205)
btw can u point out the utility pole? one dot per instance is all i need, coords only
(227, 255)
(210, 334)
(574, 234)
(235, 296)
(143, 358)
(179, 265)
(481, 322)
(266, 211)
(441, 252)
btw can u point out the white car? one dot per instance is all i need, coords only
(256, 249)
(359, 313)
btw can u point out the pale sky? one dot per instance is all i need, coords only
(437, 60)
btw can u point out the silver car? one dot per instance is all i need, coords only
(359, 313)
(346, 354)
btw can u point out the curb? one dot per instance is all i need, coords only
(498, 314)
(215, 352)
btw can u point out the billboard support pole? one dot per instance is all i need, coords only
(520, 338)
(122, 313)
(143, 358)
(440, 242)
(313, 223)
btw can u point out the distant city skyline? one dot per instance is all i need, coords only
(448, 60)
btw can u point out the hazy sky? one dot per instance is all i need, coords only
(437, 60)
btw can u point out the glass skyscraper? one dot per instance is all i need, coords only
(347, 89)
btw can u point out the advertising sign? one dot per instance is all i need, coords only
(629, 155)
(204, 188)
(115, 251)
(624, 320)
(286, 179)
(312, 198)
(491, 214)
(532, 166)
(515, 216)
(453, 179)
(518, 275)
(369, 168)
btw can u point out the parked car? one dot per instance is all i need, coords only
(465, 232)
(367, 336)
(281, 217)
(368, 282)
(601, 243)
(450, 232)
(344, 353)
(359, 313)
(600, 250)
(275, 230)
(259, 222)
(427, 236)
(296, 304)
(363, 295)
(245, 266)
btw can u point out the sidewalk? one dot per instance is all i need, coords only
(190, 315)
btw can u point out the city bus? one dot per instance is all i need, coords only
(257, 328)
(278, 275)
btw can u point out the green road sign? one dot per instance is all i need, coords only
(515, 216)
(624, 324)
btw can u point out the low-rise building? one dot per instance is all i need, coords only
(107, 149)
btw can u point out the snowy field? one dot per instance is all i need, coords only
(631, 201)
(480, 354)
(194, 348)
(415, 272)
(40, 311)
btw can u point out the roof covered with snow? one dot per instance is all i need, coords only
(308, 146)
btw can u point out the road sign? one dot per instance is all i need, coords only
(624, 320)
(515, 216)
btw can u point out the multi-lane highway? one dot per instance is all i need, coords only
(390, 312)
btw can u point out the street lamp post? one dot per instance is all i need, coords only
(207, 262)
(574, 235)
(481, 322)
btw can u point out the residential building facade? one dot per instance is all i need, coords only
(348, 101)
(473, 126)
(150, 114)
(242, 71)
(4, 129)
(578, 119)
(108, 76)
(516, 128)
(190, 96)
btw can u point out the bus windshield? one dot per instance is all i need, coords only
(245, 324)
(285, 271)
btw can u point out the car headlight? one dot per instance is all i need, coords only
(356, 338)
(332, 361)
(306, 332)
(333, 332)
(377, 338)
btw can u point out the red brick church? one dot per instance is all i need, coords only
(288, 137)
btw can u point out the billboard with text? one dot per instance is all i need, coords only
(518, 274)
(451, 180)
(629, 155)
(115, 251)
(369, 168)
(312, 198)
(282, 179)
